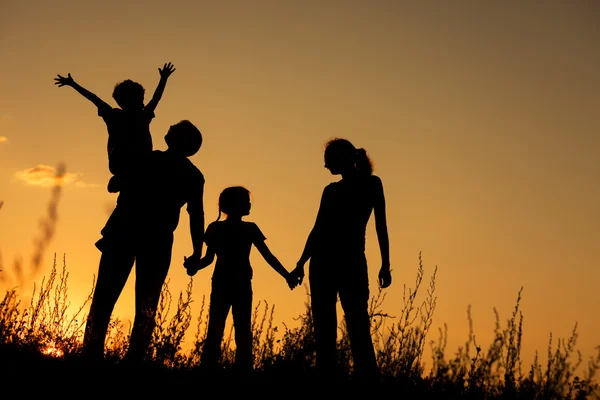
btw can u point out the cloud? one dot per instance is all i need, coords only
(83, 185)
(47, 176)
(3, 139)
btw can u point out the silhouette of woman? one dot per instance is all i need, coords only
(336, 249)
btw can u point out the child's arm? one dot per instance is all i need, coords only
(193, 265)
(208, 258)
(167, 70)
(275, 264)
(69, 81)
(385, 276)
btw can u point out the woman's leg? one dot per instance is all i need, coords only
(323, 294)
(354, 296)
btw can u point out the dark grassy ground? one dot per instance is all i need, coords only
(40, 344)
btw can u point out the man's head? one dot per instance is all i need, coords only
(129, 95)
(184, 138)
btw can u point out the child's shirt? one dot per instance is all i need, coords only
(129, 138)
(232, 242)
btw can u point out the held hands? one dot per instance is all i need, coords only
(385, 276)
(166, 70)
(194, 264)
(297, 275)
(64, 81)
(291, 280)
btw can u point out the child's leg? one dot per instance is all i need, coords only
(220, 303)
(242, 323)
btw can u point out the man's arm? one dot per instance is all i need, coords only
(195, 209)
(69, 81)
(167, 70)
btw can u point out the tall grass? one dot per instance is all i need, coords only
(42, 327)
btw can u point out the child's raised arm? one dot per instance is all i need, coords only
(165, 72)
(69, 81)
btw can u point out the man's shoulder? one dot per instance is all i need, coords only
(193, 170)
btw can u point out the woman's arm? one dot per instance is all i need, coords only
(312, 238)
(385, 277)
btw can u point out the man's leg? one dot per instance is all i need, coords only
(323, 295)
(220, 303)
(115, 266)
(242, 325)
(151, 269)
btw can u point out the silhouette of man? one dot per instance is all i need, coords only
(140, 230)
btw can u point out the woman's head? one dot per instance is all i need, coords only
(234, 201)
(342, 157)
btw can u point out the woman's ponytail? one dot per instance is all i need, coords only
(363, 162)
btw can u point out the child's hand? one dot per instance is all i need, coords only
(166, 71)
(62, 81)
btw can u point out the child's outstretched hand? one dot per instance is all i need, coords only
(166, 70)
(64, 81)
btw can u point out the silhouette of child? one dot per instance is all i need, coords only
(231, 241)
(129, 138)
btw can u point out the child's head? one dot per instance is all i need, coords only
(129, 95)
(234, 201)
(341, 156)
(184, 138)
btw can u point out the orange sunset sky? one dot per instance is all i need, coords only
(482, 119)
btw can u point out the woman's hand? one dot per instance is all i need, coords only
(385, 276)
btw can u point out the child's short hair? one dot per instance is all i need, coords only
(184, 138)
(232, 198)
(128, 92)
